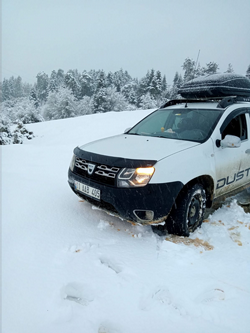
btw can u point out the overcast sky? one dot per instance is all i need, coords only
(135, 35)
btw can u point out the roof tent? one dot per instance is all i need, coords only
(216, 85)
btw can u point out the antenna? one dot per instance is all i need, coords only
(197, 60)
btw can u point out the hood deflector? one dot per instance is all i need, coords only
(120, 162)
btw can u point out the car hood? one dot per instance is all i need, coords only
(137, 147)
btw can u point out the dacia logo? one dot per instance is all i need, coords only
(91, 168)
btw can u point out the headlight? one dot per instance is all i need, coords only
(135, 177)
(72, 163)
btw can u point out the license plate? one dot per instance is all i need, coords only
(88, 190)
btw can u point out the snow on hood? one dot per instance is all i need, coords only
(137, 147)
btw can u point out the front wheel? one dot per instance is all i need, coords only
(188, 211)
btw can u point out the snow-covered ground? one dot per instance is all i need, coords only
(69, 268)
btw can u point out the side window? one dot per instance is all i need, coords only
(237, 127)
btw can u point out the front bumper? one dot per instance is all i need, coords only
(131, 203)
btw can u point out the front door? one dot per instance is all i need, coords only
(233, 164)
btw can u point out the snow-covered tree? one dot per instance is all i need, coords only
(71, 82)
(229, 69)
(100, 96)
(60, 77)
(211, 68)
(85, 106)
(144, 85)
(147, 102)
(33, 98)
(85, 82)
(6, 90)
(129, 91)
(60, 104)
(21, 109)
(189, 69)
(42, 86)
(26, 112)
(177, 82)
(15, 135)
(248, 72)
(164, 83)
(120, 79)
(18, 87)
(115, 101)
(156, 85)
(100, 99)
(53, 85)
(5, 132)
(110, 79)
(101, 80)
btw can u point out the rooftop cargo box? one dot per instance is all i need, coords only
(216, 85)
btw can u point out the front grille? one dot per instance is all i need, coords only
(100, 173)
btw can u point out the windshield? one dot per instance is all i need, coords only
(182, 124)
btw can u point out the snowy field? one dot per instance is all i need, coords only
(69, 268)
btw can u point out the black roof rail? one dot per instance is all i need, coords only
(226, 101)
(223, 101)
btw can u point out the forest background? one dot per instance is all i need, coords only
(71, 94)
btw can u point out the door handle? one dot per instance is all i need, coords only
(247, 151)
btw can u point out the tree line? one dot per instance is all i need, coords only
(70, 94)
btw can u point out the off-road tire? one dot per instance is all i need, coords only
(188, 211)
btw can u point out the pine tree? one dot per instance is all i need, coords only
(164, 83)
(53, 86)
(189, 69)
(100, 99)
(229, 69)
(129, 91)
(100, 96)
(248, 72)
(60, 78)
(85, 82)
(211, 68)
(120, 79)
(101, 80)
(71, 82)
(110, 79)
(42, 86)
(144, 85)
(33, 98)
(177, 82)
(18, 87)
(156, 85)
(6, 91)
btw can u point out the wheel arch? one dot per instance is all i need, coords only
(207, 182)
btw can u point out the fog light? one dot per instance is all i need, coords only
(144, 215)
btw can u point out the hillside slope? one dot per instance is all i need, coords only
(70, 268)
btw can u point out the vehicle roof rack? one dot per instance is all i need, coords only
(224, 101)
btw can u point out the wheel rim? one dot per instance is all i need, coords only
(194, 211)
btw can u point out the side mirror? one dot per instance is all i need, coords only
(230, 141)
(126, 130)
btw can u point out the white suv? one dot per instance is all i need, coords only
(173, 164)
